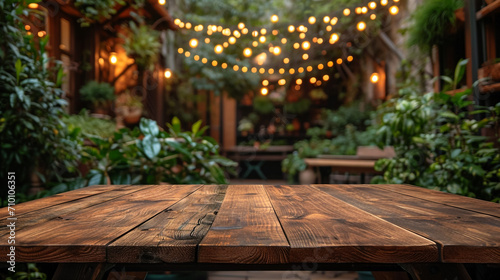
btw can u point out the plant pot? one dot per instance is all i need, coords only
(133, 116)
(307, 177)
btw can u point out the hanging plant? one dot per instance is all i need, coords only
(142, 44)
(95, 10)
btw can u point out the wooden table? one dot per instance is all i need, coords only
(255, 227)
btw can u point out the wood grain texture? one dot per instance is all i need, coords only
(245, 231)
(39, 217)
(461, 234)
(472, 204)
(82, 236)
(321, 228)
(45, 202)
(173, 235)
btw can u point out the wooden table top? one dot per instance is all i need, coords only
(255, 224)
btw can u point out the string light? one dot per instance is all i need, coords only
(204, 60)
(244, 69)
(207, 40)
(262, 39)
(300, 70)
(334, 38)
(361, 26)
(350, 58)
(291, 28)
(286, 60)
(274, 18)
(283, 41)
(254, 69)
(291, 71)
(334, 21)
(326, 19)
(318, 83)
(372, 5)
(244, 31)
(270, 71)
(276, 50)
(188, 25)
(326, 78)
(394, 10)
(232, 40)
(255, 33)
(312, 20)
(339, 61)
(374, 78)
(329, 28)
(241, 25)
(193, 43)
(301, 28)
(306, 45)
(309, 68)
(168, 73)
(384, 2)
(262, 70)
(298, 81)
(320, 66)
(305, 56)
(373, 16)
(113, 59)
(33, 6)
(247, 52)
(236, 67)
(364, 10)
(282, 71)
(187, 54)
(264, 91)
(347, 12)
(282, 82)
(224, 65)
(275, 32)
(320, 41)
(296, 45)
(302, 35)
(218, 49)
(330, 64)
(263, 31)
(196, 57)
(312, 80)
(214, 63)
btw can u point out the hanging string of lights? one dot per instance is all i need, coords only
(282, 36)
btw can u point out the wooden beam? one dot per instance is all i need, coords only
(493, 7)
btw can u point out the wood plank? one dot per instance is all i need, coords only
(245, 231)
(321, 228)
(493, 7)
(473, 239)
(461, 234)
(472, 204)
(45, 202)
(82, 236)
(39, 217)
(173, 235)
(388, 204)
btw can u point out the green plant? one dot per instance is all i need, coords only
(336, 121)
(438, 142)
(149, 156)
(141, 43)
(98, 94)
(28, 271)
(90, 126)
(34, 140)
(95, 10)
(263, 105)
(431, 21)
(298, 107)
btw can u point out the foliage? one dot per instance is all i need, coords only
(98, 94)
(31, 272)
(147, 155)
(263, 105)
(89, 126)
(96, 10)
(438, 142)
(33, 136)
(141, 43)
(336, 121)
(431, 21)
(299, 107)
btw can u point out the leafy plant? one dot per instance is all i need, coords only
(34, 140)
(141, 43)
(98, 94)
(298, 107)
(31, 273)
(90, 126)
(96, 10)
(263, 105)
(147, 155)
(438, 142)
(431, 21)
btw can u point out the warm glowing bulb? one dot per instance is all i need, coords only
(263, 31)
(298, 81)
(236, 67)
(255, 33)
(309, 68)
(177, 21)
(312, 80)
(204, 60)
(320, 41)
(312, 20)
(214, 28)
(33, 6)
(306, 45)
(335, 37)
(326, 19)
(302, 35)
(350, 58)
(262, 39)
(296, 45)
(384, 2)
(262, 70)
(113, 59)
(264, 91)
(301, 28)
(187, 54)
(207, 40)
(218, 49)
(283, 41)
(374, 78)
(255, 43)
(334, 21)
(188, 25)
(326, 78)
(291, 71)
(297, 87)
(232, 40)
(361, 26)
(254, 69)
(265, 83)
(270, 71)
(282, 71)
(274, 18)
(241, 25)
(168, 74)
(358, 10)
(286, 60)
(275, 32)
(394, 10)
(291, 28)
(321, 66)
(247, 52)
(237, 34)
(214, 63)
(373, 17)
(193, 43)
(347, 12)
(244, 69)
(318, 83)
(277, 50)
(162, 2)
(220, 28)
(364, 10)
(329, 28)
(305, 56)
(225, 44)
(27, 27)
(301, 69)
(244, 31)
(372, 5)
(181, 25)
(282, 82)
(339, 61)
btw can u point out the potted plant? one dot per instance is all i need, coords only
(129, 107)
(99, 95)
